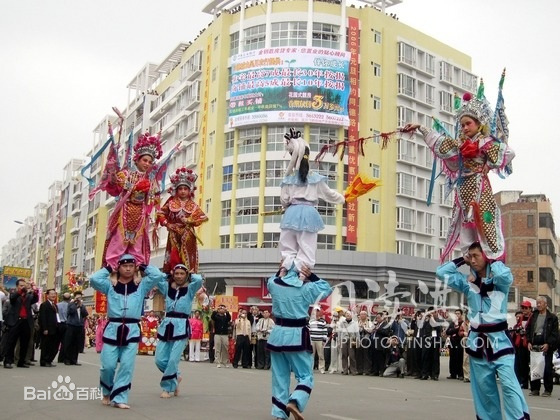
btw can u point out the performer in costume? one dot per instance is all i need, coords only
(125, 299)
(467, 161)
(180, 215)
(300, 193)
(289, 342)
(138, 190)
(174, 330)
(489, 347)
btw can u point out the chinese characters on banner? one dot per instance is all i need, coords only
(353, 129)
(289, 85)
(230, 302)
(100, 303)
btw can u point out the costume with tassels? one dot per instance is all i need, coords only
(180, 215)
(128, 226)
(466, 162)
(300, 193)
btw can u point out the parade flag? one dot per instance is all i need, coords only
(360, 185)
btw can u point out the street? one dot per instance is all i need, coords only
(209, 392)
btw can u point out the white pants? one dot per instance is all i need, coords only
(194, 350)
(318, 348)
(297, 248)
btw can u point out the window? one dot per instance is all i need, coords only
(443, 227)
(406, 150)
(444, 198)
(445, 72)
(406, 184)
(234, 43)
(350, 247)
(405, 248)
(249, 174)
(325, 241)
(254, 38)
(214, 71)
(208, 203)
(213, 105)
(270, 240)
(430, 252)
(445, 101)
(327, 212)
(430, 64)
(407, 54)
(272, 203)
(249, 140)
(374, 206)
(530, 276)
(530, 249)
(288, 33)
(377, 37)
(275, 170)
(246, 240)
(226, 213)
(429, 226)
(229, 140)
(405, 218)
(407, 85)
(404, 115)
(325, 35)
(329, 170)
(227, 179)
(321, 136)
(224, 241)
(275, 137)
(216, 42)
(468, 81)
(530, 220)
(376, 136)
(430, 94)
(376, 103)
(247, 209)
(209, 172)
(375, 171)
(211, 137)
(377, 70)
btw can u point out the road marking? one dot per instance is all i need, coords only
(330, 383)
(384, 389)
(455, 398)
(88, 363)
(544, 409)
(334, 416)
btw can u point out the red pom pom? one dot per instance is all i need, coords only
(467, 97)
(183, 170)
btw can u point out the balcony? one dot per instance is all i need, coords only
(74, 230)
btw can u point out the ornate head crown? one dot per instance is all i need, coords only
(184, 176)
(476, 107)
(148, 145)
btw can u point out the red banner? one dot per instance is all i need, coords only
(100, 303)
(353, 128)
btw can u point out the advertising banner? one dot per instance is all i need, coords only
(10, 276)
(290, 85)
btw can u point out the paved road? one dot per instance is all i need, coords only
(212, 393)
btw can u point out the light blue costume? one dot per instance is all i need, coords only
(122, 333)
(174, 330)
(488, 344)
(289, 341)
(301, 220)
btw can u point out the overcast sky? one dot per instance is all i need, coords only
(64, 64)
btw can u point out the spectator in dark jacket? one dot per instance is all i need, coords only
(19, 321)
(542, 336)
(74, 337)
(48, 328)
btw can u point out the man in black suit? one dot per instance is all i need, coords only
(77, 313)
(19, 322)
(48, 328)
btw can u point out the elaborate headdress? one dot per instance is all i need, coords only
(148, 145)
(476, 107)
(296, 145)
(184, 176)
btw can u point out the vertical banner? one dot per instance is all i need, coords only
(100, 303)
(204, 125)
(353, 128)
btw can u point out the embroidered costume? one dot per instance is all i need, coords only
(174, 330)
(289, 342)
(488, 345)
(181, 216)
